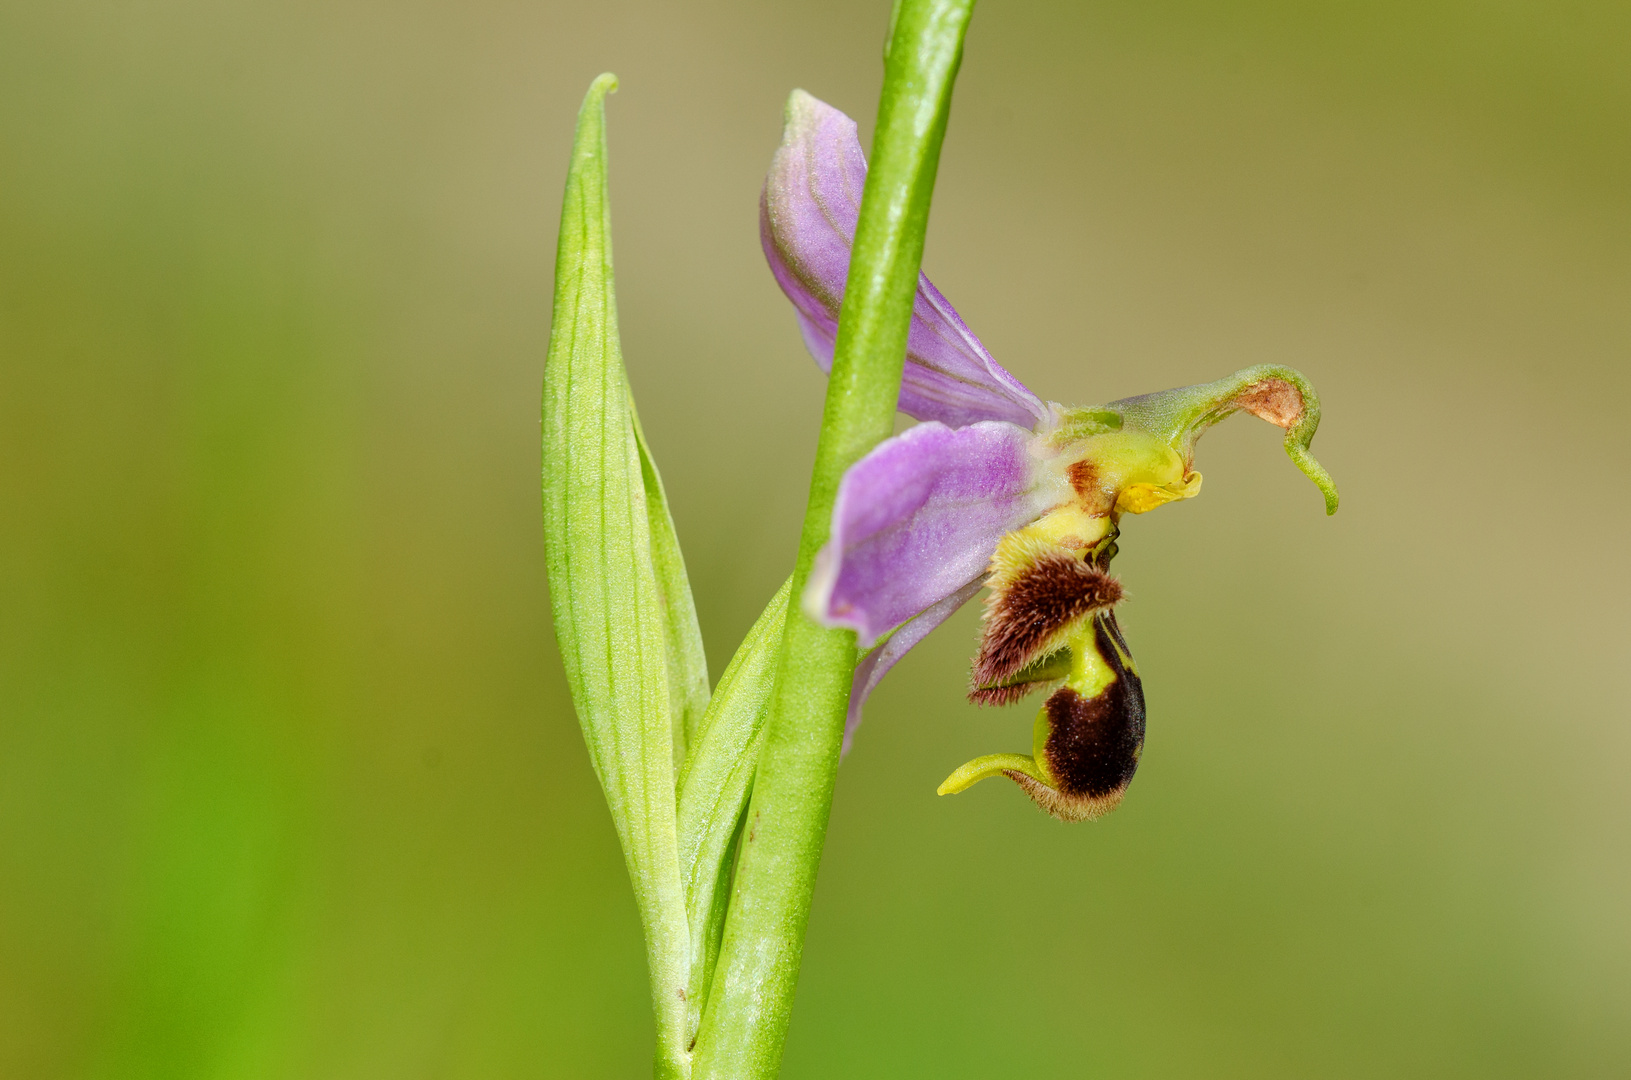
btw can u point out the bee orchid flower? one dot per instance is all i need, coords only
(995, 488)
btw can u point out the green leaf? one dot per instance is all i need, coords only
(687, 663)
(606, 588)
(714, 787)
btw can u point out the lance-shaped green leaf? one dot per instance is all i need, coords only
(714, 787)
(601, 501)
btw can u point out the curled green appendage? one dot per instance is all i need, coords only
(1304, 460)
(966, 776)
(1299, 435)
(1177, 418)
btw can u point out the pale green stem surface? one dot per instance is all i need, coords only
(745, 1025)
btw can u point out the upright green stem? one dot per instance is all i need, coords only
(745, 1025)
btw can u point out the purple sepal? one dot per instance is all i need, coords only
(918, 518)
(876, 664)
(807, 215)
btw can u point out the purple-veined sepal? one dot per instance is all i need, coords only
(807, 216)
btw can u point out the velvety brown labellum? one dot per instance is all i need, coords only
(1094, 742)
(1025, 616)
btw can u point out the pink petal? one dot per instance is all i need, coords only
(918, 518)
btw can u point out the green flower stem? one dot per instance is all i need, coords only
(745, 1024)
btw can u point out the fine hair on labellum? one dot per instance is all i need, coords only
(1070, 808)
(1026, 614)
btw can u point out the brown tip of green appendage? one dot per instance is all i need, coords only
(1299, 433)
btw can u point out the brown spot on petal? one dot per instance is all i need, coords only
(1274, 400)
(1026, 614)
(1084, 478)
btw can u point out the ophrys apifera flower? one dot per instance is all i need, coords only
(996, 488)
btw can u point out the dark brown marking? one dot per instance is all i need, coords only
(1094, 743)
(1109, 623)
(1274, 400)
(1025, 615)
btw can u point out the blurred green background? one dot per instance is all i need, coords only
(290, 785)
